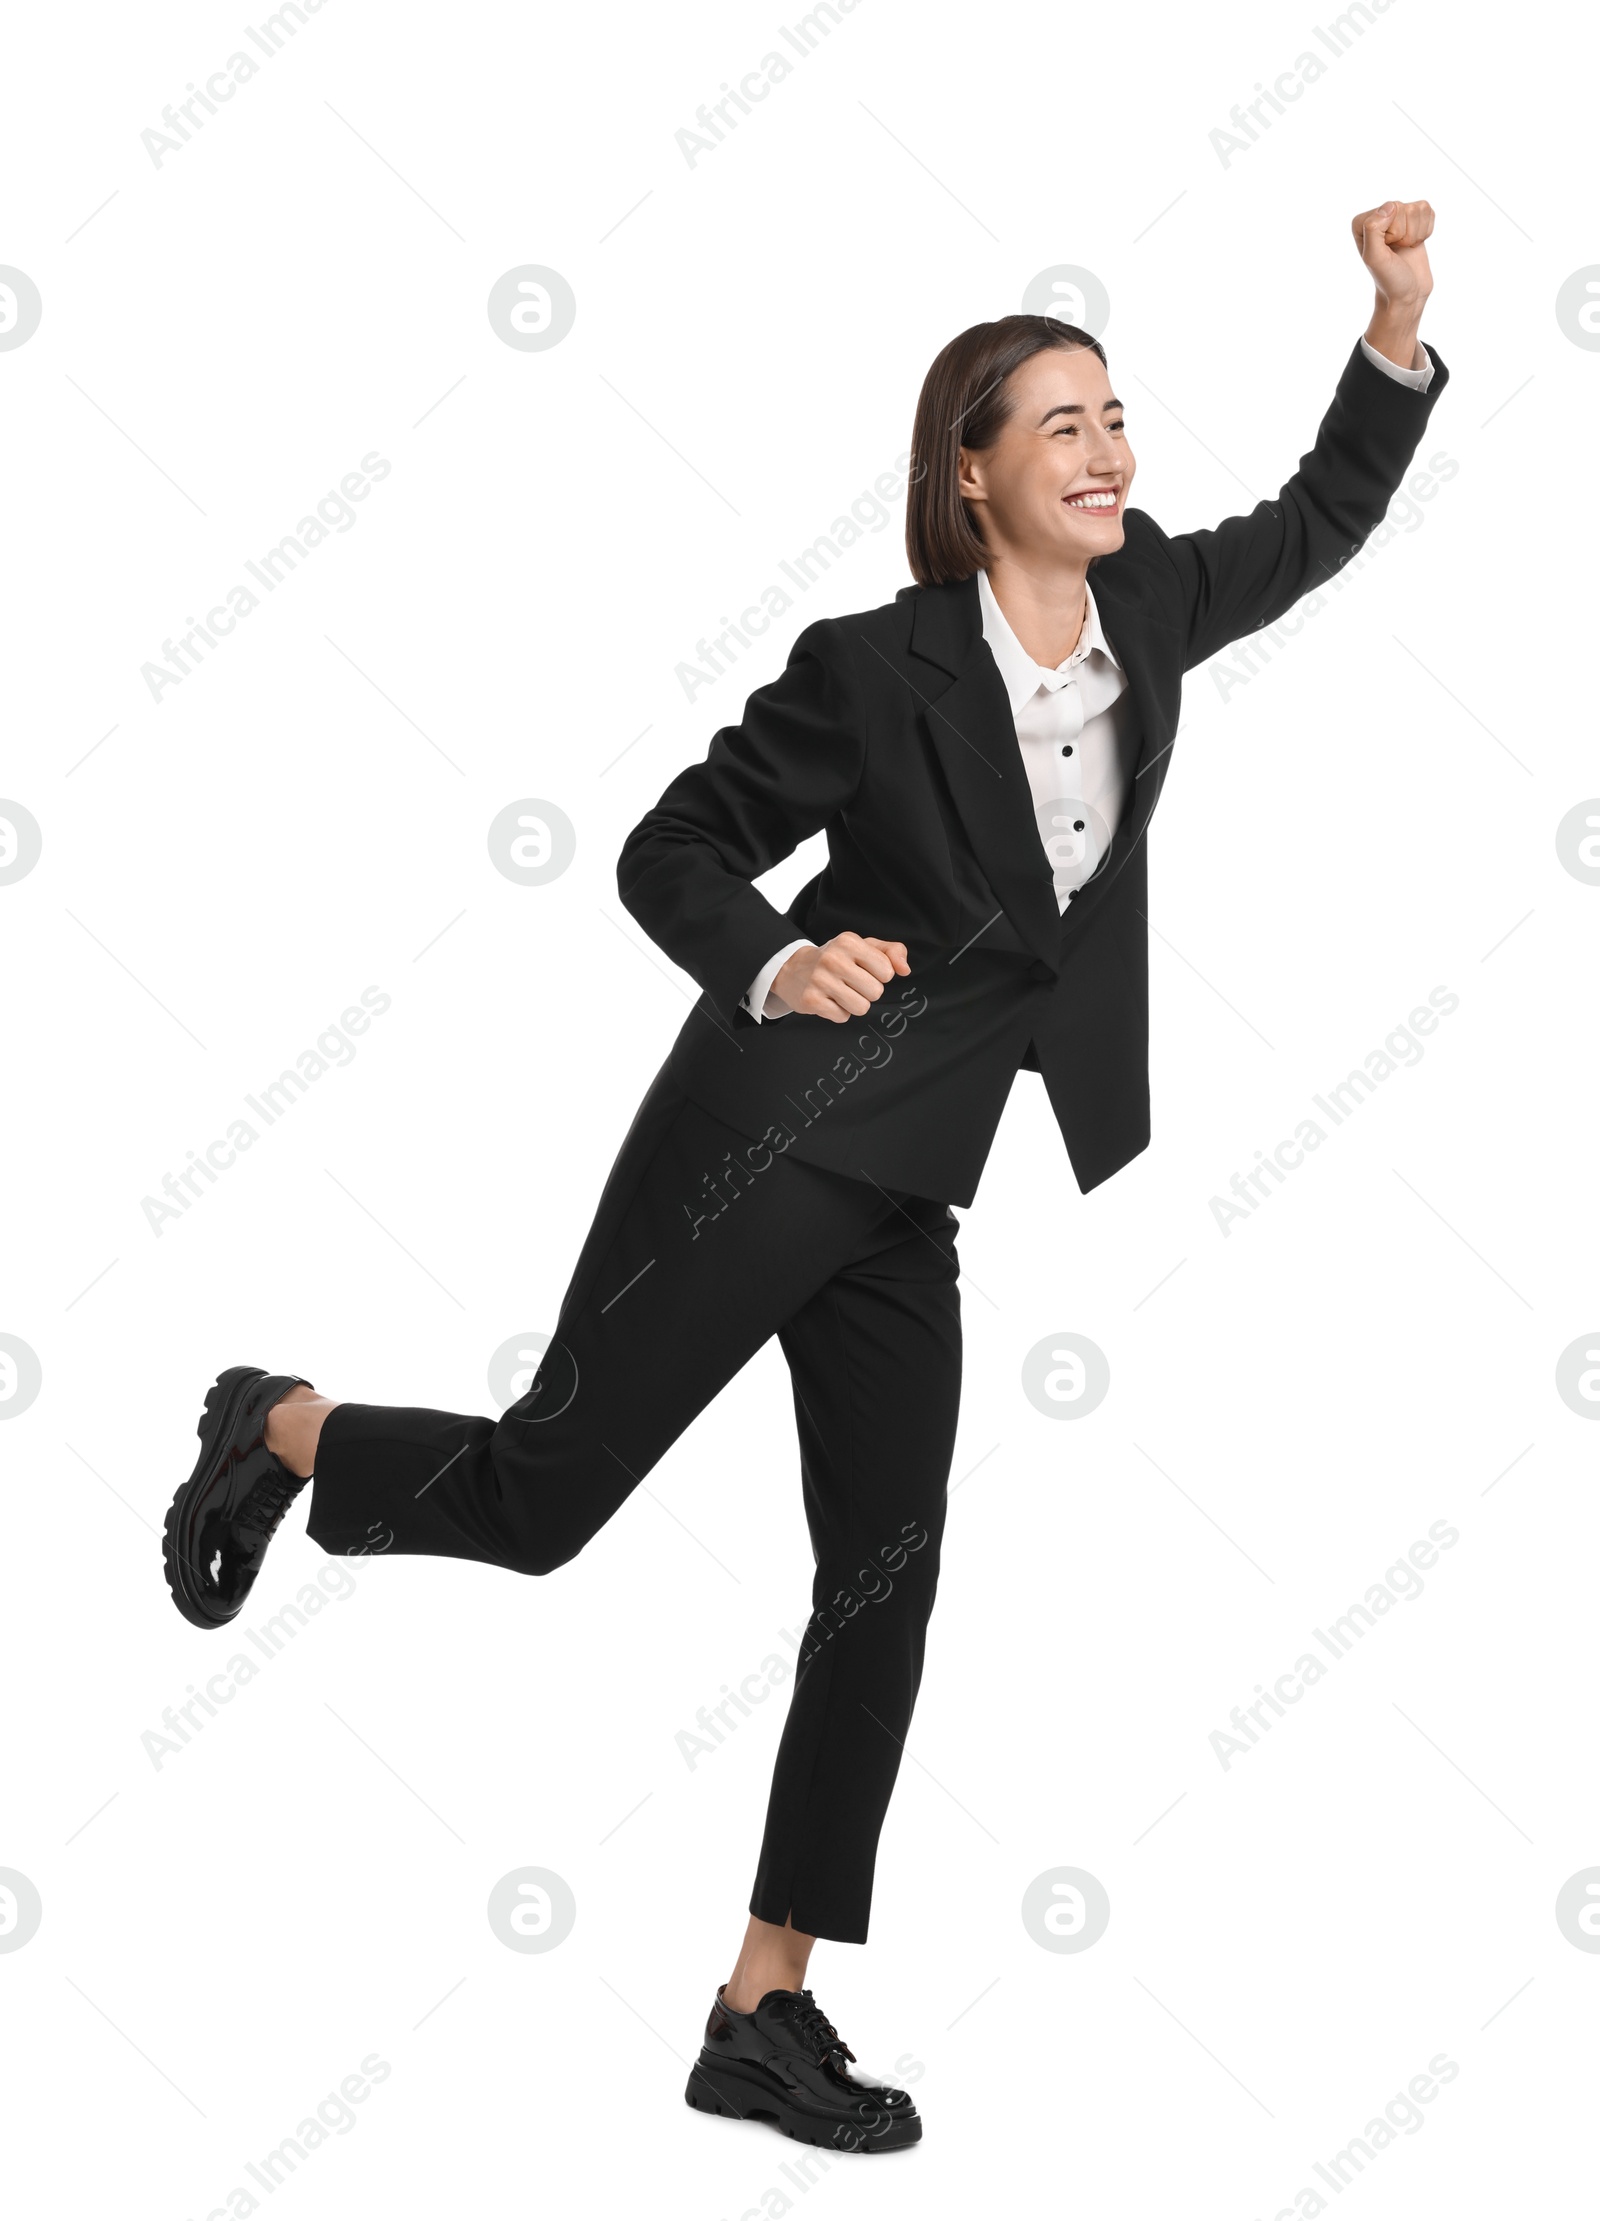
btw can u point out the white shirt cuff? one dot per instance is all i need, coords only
(758, 998)
(1419, 377)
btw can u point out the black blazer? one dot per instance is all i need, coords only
(891, 732)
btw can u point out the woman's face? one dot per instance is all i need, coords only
(1053, 487)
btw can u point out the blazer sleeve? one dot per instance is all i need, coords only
(1247, 571)
(792, 763)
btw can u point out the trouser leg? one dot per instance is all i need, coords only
(875, 1357)
(677, 1286)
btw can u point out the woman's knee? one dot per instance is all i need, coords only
(535, 1554)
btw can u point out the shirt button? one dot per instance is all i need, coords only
(1067, 749)
(1041, 971)
(1077, 825)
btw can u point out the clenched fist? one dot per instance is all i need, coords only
(842, 979)
(1391, 242)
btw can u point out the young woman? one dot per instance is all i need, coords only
(983, 754)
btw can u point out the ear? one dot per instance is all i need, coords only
(969, 476)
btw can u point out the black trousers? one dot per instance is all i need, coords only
(704, 1245)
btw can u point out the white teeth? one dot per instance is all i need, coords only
(1092, 501)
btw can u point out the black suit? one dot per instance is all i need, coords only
(890, 731)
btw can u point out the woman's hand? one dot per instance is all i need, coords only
(841, 980)
(1390, 241)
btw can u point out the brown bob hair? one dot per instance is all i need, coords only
(964, 403)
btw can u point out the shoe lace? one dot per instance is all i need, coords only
(263, 1508)
(813, 2025)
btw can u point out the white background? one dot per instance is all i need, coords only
(226, 1936)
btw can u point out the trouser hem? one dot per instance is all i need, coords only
(825, 1926)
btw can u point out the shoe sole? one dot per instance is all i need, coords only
(224, 1402)
(748, 2095)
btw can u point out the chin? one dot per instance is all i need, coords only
(1104, 540)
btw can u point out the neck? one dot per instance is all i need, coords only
(1045, 608)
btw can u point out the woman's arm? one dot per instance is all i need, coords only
(791, 763)
(1393, 243)
(1247, 571)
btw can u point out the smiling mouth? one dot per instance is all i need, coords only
(1098, 503)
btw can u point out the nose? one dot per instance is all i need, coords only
(1106, 459)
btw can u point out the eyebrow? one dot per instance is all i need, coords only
(1073, 408)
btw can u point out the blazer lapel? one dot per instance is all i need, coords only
(1146, 645)
(975, 737)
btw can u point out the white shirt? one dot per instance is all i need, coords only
(1066, 721)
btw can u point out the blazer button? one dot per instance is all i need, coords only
(1041, 971)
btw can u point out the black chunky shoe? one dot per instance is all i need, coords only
(230, 1507)
(785, 2063)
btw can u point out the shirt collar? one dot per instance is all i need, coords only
(1020, 674)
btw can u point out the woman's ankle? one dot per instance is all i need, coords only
(744, 1992)
(770, 1958)
(294, 1427)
